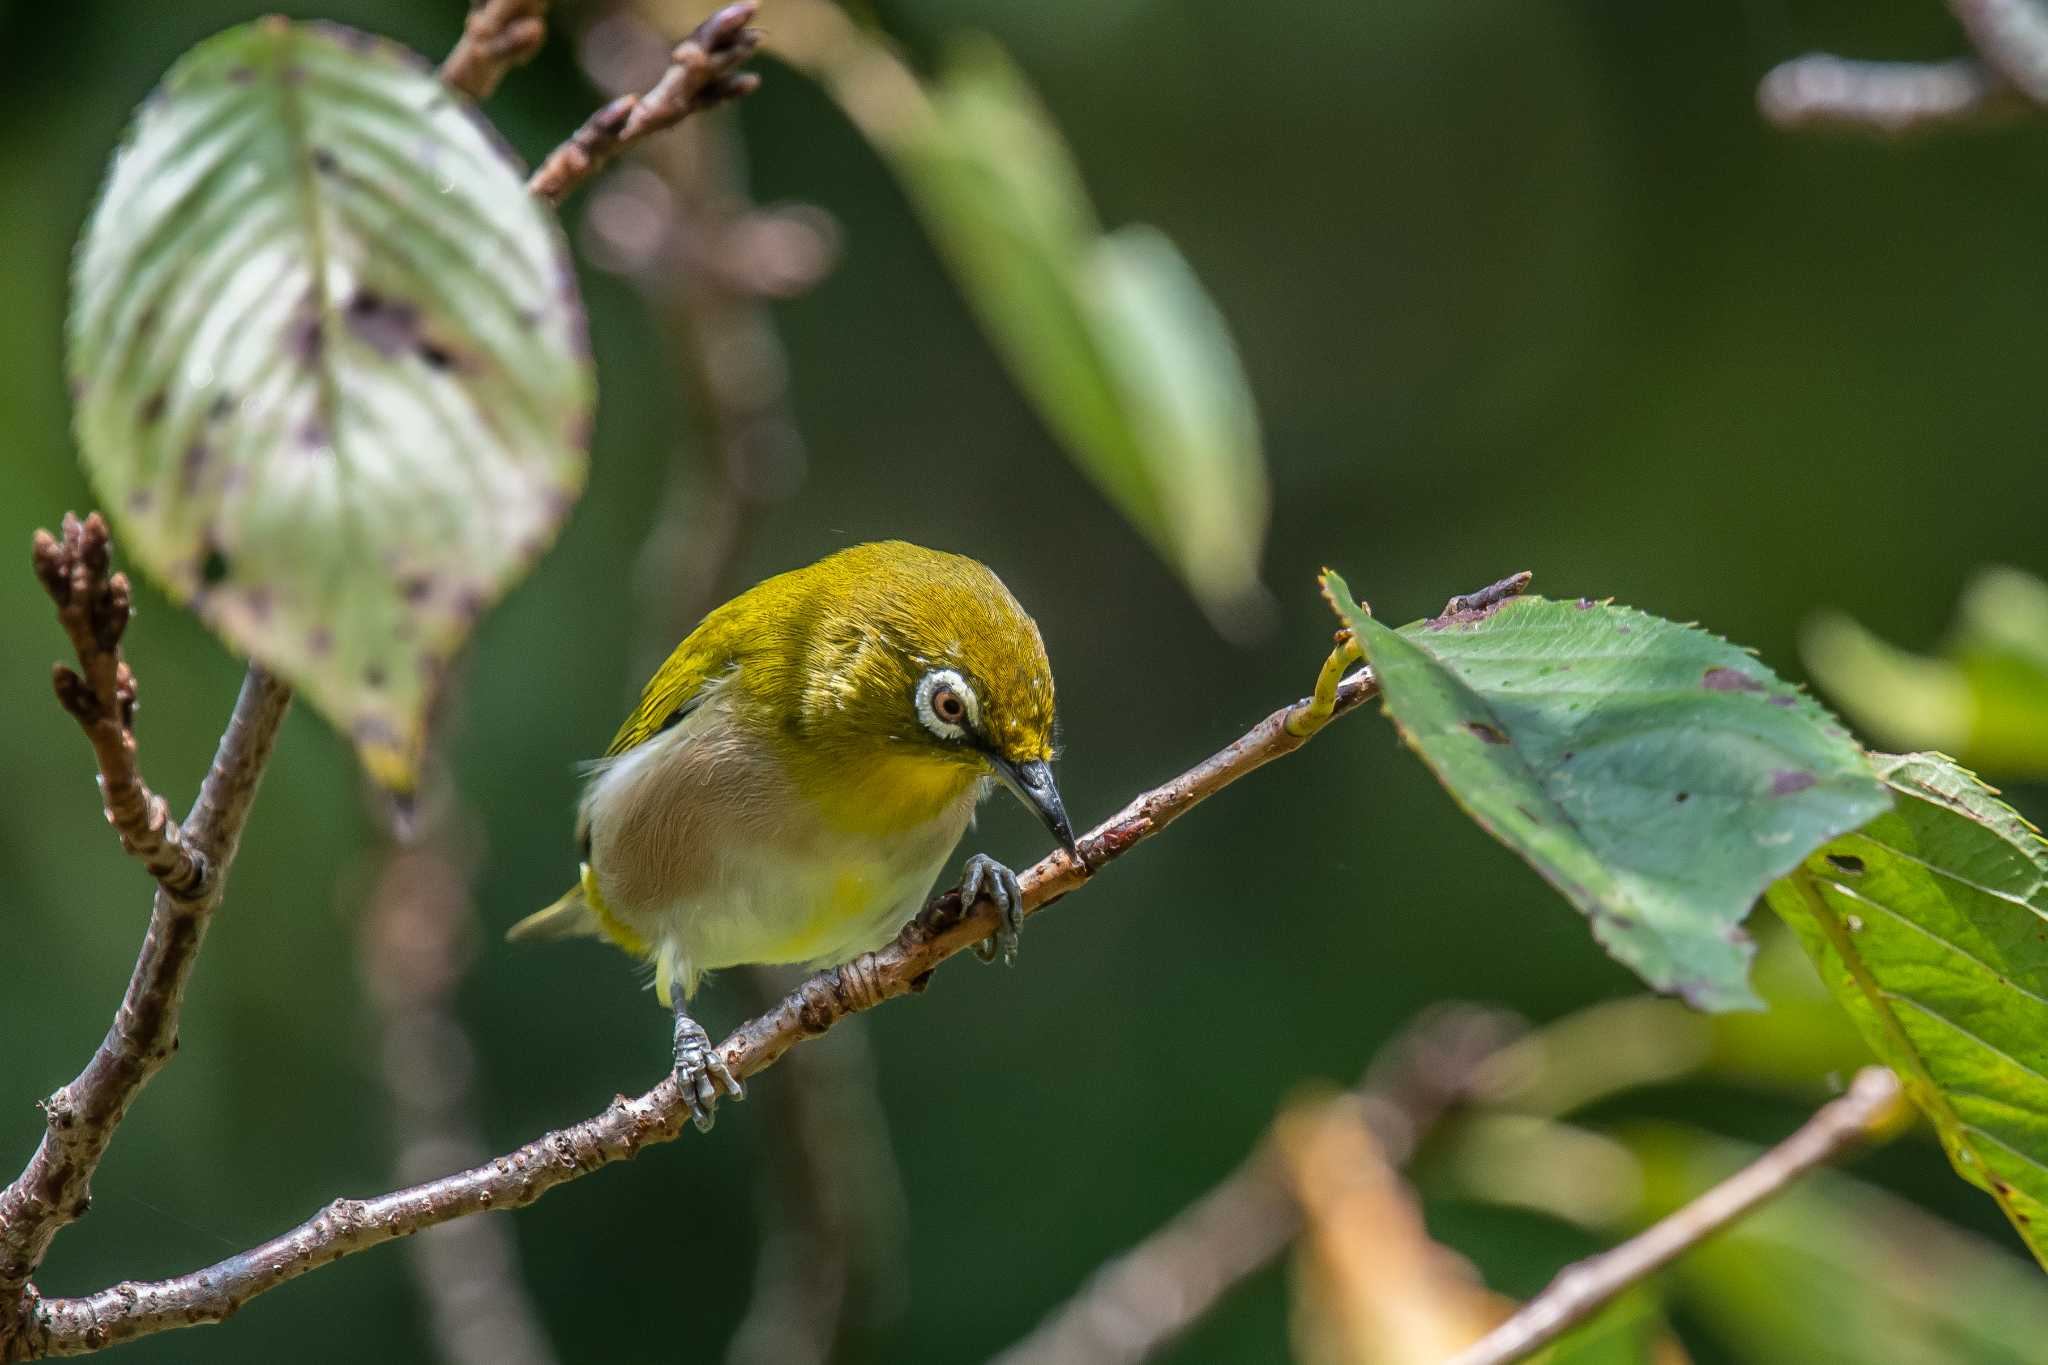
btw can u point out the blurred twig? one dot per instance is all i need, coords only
(625, 1126)
(708, 261)
(831, 1196)
(703, 70)
(2007, 76)
(1581, 1290)
(1139, 1303)
(417, 935)
(2012, 38)
(417, 940)
(497, 36)
(1828, 92)
(418, 931)
(55, 1188)
(1370, 1283)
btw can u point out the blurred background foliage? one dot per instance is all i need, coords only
(1513, 285)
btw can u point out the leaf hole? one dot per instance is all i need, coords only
(1846, 862)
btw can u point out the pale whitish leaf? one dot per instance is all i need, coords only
(330, 365)
(1656, 775)
(1930, 925)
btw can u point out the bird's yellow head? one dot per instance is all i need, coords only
(919, 670)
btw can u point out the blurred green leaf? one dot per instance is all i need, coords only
(1656, 775)
(1802, 1042)
(1837, 1272)
(1930, 925)
(1629, 1331)
(1198, 433)
(1111, 337)
(330, 363)
(1984, 699)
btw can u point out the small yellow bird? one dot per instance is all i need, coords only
(800, 769)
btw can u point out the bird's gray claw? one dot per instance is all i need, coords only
(988, 878)
(701, 1073)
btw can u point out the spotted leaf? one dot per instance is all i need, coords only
(1658, 776)
(1930, 926)
(330, 363)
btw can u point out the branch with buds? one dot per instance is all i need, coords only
(93, 606)
(703, 71)
(190, 861)
(191, 865)
(497, 36)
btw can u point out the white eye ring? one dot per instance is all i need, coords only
(946, 680)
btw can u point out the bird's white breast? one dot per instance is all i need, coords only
(703, 846)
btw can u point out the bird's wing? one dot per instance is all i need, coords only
(676, 687)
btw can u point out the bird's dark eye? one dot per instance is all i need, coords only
(946, 705)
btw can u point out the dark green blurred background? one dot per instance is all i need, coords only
(1518, 283)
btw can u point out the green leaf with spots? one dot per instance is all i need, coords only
(1656, 775)
(1837, 1272)
(1930, 925)
(330, 365)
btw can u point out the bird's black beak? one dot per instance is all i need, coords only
(1032, 782)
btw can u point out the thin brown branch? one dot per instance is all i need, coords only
(1580, 1290)
(1140, 1303)
(703, 71)
(497, 36)
(93, 605)
(54, 1189)
(1821, 91)
(131, 1309)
